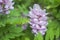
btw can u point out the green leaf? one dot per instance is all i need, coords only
(15, 29)
(26, 38)
(49, 34)
(57, 33)
(38, 37)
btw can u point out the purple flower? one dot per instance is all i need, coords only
(24, 26)
(38, 19)
(5, 6)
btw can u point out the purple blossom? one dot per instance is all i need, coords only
(6, 5)
(24, 26)
(38, 19)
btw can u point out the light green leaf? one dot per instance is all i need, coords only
(38, 37)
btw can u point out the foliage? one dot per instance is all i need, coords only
(11, 24)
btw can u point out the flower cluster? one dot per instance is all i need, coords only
(6, 5)
(38, 19)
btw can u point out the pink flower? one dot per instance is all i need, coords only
(5, 6)
(38, 19)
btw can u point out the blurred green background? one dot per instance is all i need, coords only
(11, 25)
